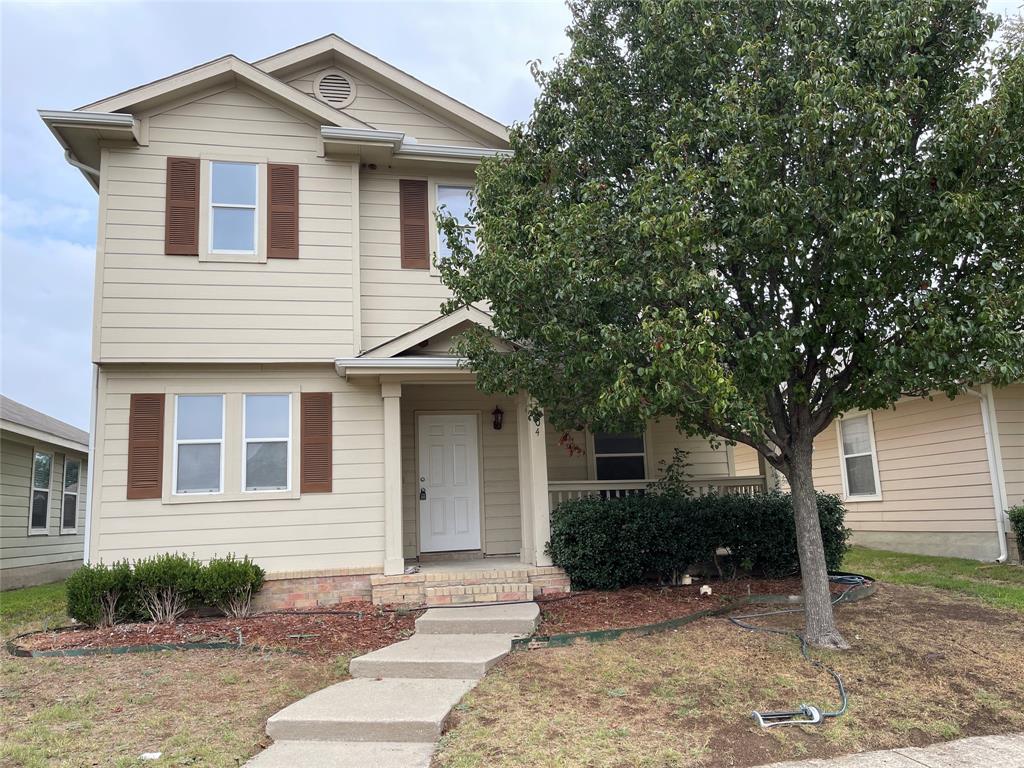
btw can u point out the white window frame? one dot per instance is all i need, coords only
(592, 446)
(64, 493)
(255, 208)
(843, 456)
(204, 441)
(288, 442)
(32, 488)
(434, 204)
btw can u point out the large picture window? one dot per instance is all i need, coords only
(267, 460)
(619, 456)
(39, 506)
(233, 217)
(457, 201)
(69, 504)
(199, 443)
(858, 459)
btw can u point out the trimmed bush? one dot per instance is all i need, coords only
(228, 584)
(167, 585)
(1017, 518)
(100, 595)
(607, 544)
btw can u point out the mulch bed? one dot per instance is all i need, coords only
(635, 606)
(317, 634)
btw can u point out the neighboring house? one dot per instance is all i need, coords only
(933, 477)
(274, 377)
(43, 467)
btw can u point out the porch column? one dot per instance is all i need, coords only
(394, 562)
(533, 487)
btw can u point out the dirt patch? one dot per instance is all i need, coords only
(364, 627)
(635, 606)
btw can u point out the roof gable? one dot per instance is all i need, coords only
(438, 327)
(332, 50)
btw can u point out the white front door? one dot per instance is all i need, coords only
(449, 482)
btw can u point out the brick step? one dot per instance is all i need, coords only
(478, 593)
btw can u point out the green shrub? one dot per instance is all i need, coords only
(101, 595)
(607, 544)
(229, 584)
(167, 585)
(1017, 518)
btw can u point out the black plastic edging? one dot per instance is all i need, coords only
(606, 635)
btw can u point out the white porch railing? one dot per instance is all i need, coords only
(564, 490)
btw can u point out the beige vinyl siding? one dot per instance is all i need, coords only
(746, 459)
(154, 307)
(932, 467)
(17, 548)
(393, 300)
(501, 531)
(317, 530)
(662, 439)
(1009, 403)
(375, 105)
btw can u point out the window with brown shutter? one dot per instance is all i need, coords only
(315, 457)
(181, 223)
(145, 446)
(412, 211)
(282, 211)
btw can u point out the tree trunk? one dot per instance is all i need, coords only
(820, 628)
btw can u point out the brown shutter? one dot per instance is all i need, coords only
(412, 212)
(283, 211)
(145, 447)
(316, 460)
(181, 223)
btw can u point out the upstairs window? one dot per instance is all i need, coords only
(268, 429)
(199, 444)
(619, 456)
(69, 504)
(234, 191)
(39, 509)
(457, 202)
(858, 461)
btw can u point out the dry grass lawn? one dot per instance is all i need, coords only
(926, 666)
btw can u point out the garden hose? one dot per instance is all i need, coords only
(805, 714)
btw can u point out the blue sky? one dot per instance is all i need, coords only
(61, 56)
(64, 55)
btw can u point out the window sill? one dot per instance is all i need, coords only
(69, 532)
(207, 498)
(234, 258)
(38, 533)
(857, 499)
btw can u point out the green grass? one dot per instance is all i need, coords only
(32, 608)
(994, 583)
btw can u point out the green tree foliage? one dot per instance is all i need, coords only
(751, 217)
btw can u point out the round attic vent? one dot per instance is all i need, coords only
(335, 88)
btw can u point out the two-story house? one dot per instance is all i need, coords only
(273, 376)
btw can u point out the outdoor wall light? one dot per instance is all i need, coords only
(499, 416)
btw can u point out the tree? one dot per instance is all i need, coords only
(752, 217)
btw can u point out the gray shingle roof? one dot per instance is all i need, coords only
(16, 413)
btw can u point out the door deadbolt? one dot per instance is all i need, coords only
(423, 494)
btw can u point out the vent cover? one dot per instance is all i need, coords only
(335, 88)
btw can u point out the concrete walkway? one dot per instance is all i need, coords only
(976, 752)
(393, 710)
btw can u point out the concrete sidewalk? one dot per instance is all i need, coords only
(977, 752)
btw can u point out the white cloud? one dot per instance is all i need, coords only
(18, 215)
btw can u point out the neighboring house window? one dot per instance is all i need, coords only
(69, 504)
(619, 456)
(198, 443)
(233, 220)
(39, 509)
(858, 460)
(268, 429)
(457, 201)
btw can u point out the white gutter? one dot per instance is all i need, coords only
(343, 364)
(90, 471)
(444, 151)
(994, 464)
(80, 166)
(87, 119)
(363, 135)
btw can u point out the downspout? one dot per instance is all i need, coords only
(994, 469)
(79, 165)
(89, 473)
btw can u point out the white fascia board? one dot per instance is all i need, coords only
(87, 119)
(37, 435)
(362, 136)
(346, 366)
(448, 152)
